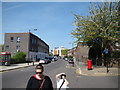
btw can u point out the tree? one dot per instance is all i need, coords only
(64, 52)
(100, 28)
(102, 23)
(18, 58)
(1, 47)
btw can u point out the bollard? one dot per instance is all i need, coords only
(28, 62)
(33, 63)
(89, 64)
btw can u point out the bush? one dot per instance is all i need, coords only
(18, 58)
(68, 57)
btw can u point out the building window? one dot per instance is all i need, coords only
(18, 48)
(11, 39)
(18, 39)
(31, 57)
(32, 49)
(7, 48)
(34, 41)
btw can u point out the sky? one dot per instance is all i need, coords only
(53, 20)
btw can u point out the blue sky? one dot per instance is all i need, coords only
(54, 20)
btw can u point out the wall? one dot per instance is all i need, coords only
(81, 53)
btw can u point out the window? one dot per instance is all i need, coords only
(31, 57)
(7, 48)
(32, 49)
(11, 39)
(32, 41)
(18, 48)
(18, 39)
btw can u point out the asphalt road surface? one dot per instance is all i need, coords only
(18, 78)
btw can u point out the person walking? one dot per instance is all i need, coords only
(39, 81)
(62, 82)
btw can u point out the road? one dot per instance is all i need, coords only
(18, 78)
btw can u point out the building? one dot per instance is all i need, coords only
(57, 51)
(29, 43)
(81, 52)
(71, 52)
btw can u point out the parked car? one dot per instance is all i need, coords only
(43, 61)
(70, 60)
(66, 59)
(54, 59)
(49, 58)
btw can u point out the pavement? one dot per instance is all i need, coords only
(81, 69)
(16, 66)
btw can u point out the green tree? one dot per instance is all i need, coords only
(70, 56)
(18, 58)
(100, 28)
(101, 23)
(50, 54)
(1, 47)
(64, 52)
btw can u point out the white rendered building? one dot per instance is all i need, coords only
(58, 50)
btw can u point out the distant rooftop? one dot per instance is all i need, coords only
(60, 47)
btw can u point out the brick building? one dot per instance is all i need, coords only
(81, 52)
(29, 43)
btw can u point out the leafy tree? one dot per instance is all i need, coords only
(102, 23)
(100, 28)
(1, 50)
(70, 56)
(64, 52)
(18, 58)
(50, 54)
(1, 47)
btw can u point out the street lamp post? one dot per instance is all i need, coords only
(33, 29)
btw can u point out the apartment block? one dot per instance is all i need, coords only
(29, 43)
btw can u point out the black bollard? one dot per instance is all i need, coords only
(33, 63)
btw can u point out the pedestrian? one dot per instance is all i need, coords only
(62, 82)
(39, 81)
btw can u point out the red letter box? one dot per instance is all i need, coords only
(89, 64)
